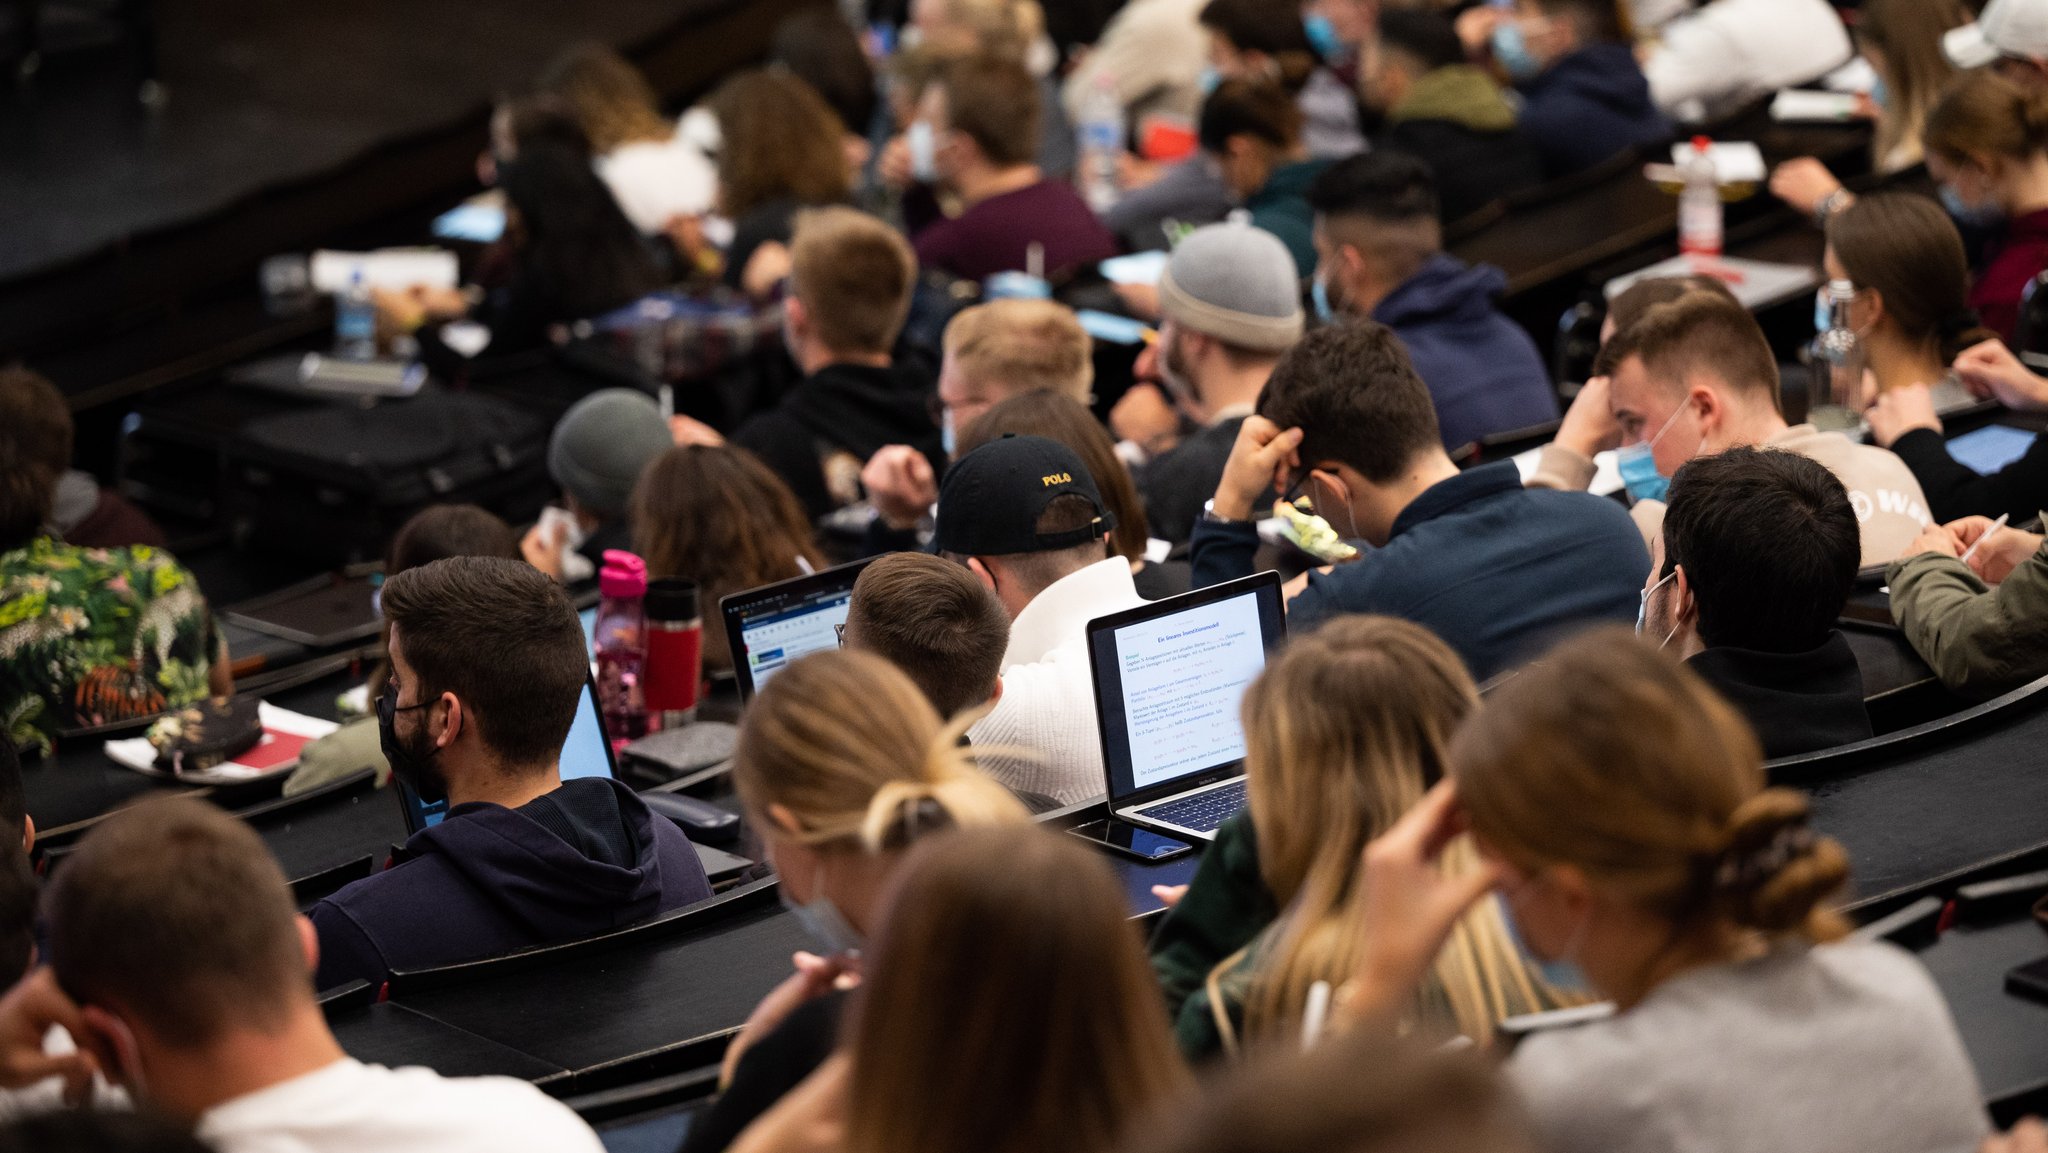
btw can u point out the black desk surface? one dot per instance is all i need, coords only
(2006, 1034)
(395, 1036)
(1939, 807)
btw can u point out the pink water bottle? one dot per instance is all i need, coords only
(620, 638)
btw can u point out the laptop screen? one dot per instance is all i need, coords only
(1169, 678)
(587, 753)
(771, 626)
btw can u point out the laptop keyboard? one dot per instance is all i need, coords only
(1202, 812)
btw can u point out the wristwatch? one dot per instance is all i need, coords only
(1211, 516)
(1830, 204)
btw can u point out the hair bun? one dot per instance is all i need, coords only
(1774, 871)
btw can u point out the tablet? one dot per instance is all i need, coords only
(1991, 448)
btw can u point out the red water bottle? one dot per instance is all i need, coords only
(620, 638)
(675, 652)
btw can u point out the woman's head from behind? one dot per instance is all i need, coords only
(1344, 732)
(1007, 1004)
(35, 449)
(444, 530)
(1912, 279)
(1985, 139)
(1902, 41)
(1625, 804)
(780, 140)
(576, 241)
(610, 98)
(718, 516)
(842, 760)
(1058, 417)
(1259, 40)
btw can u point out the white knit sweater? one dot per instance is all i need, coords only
(1047, 708)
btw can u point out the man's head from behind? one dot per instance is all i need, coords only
(1229, 302)
(1760, 550)
(984, 117)
(935, 621)
(1021, 512)
(851, 278)
(1366, 419)
(173, 927)
(487, 667)
(1413, 42)
(1250, 127)
(1007, 348)
(1376, 226)
(1691, 376)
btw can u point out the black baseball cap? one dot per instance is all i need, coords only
(992, 498)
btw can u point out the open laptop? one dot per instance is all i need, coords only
(587, 753)
(1169, 678)
(771, 626)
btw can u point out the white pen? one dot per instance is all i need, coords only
(1995, 526)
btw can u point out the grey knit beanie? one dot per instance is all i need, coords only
(1236, 283)
(603, 444)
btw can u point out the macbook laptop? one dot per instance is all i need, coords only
(771, 626)
(1169, 678)
(587, 753)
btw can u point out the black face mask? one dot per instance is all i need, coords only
(413, 768)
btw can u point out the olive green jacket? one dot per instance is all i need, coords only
(1981, 641)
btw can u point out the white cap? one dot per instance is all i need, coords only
(2007, 28)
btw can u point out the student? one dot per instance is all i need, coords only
(1983, 626)
(982, 123)
(1253, 134)
(595, 456)
(1057, 418)
(992, 352)
(1382, 256)
(1346, 420)
(656, 175)
(1901, 40)
(1904, 259)
(851, 279)
(91, 635)
(1954, 490)
(842, 765)
(1268, 40)
(716, 515)
(2010, 38)
(1694, 898)
(1584, 98)
(522, 858)
(1344, 732)
(435, 533)
(1445, 112)
(82, 513)
(781, 150)
(931, 619)
(950, 31)
(1154, 54)
(1230, 307)
(1696, 376)
(1006, 1008)
(1023, 515)
(1987, 143)
(1358, 1093)
(1757, 557)
(1708, 63)
(574, 255)
(175, 948)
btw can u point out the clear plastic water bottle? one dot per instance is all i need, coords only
(1836, 363)
(619, 636)
(1101, 133)
(355, 322)
(1699, 206)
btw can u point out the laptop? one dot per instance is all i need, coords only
(771, 626)
(1169, 678)
(587, 753)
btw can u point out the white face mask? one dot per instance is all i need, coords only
(1643, 610)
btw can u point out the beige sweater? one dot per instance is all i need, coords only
(1887, 499)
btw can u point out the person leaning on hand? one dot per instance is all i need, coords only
(1983, 624)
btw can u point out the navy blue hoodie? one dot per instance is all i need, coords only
(1483, 371)
(1589, 106)
(584, 859)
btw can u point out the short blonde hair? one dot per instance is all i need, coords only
(1021, 346)
(854, 275)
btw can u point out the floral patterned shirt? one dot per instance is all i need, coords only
(90, 636)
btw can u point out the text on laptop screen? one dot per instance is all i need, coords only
(782, 633)
(1183, 677)
(583, 755)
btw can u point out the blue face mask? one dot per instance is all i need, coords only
(1880, 95)
(1637, 464)
(1322, 36)
(834, 934)
(1319, 292)
(1208, 80)
(1967, 214)
(948, 438)
(1563, 974)
(1511, 51)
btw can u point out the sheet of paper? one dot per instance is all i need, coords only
(385, 268)
(1803, 105)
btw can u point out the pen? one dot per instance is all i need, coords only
(1995, 526)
